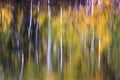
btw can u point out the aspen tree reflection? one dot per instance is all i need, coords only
(59, 40)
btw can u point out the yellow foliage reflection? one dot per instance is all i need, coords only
(6, 18)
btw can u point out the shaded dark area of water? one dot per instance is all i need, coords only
(60, 42)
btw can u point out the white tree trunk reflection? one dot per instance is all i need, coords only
(99, 52)
(49, 39)
(92, 41)
(30, 23)
(61, 41)
(22, 65)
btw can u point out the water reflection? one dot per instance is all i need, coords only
(49, 39)
(59, 43)
(22, 63)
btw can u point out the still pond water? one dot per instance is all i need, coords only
(59, 43)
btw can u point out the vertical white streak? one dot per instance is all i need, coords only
(36, 42)
(22, 66)
(99, 53)
(92, 42)
(99, 2)
(30, 23)
(49, 39)
(92, 10)
(36, 38)
(61, 40)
